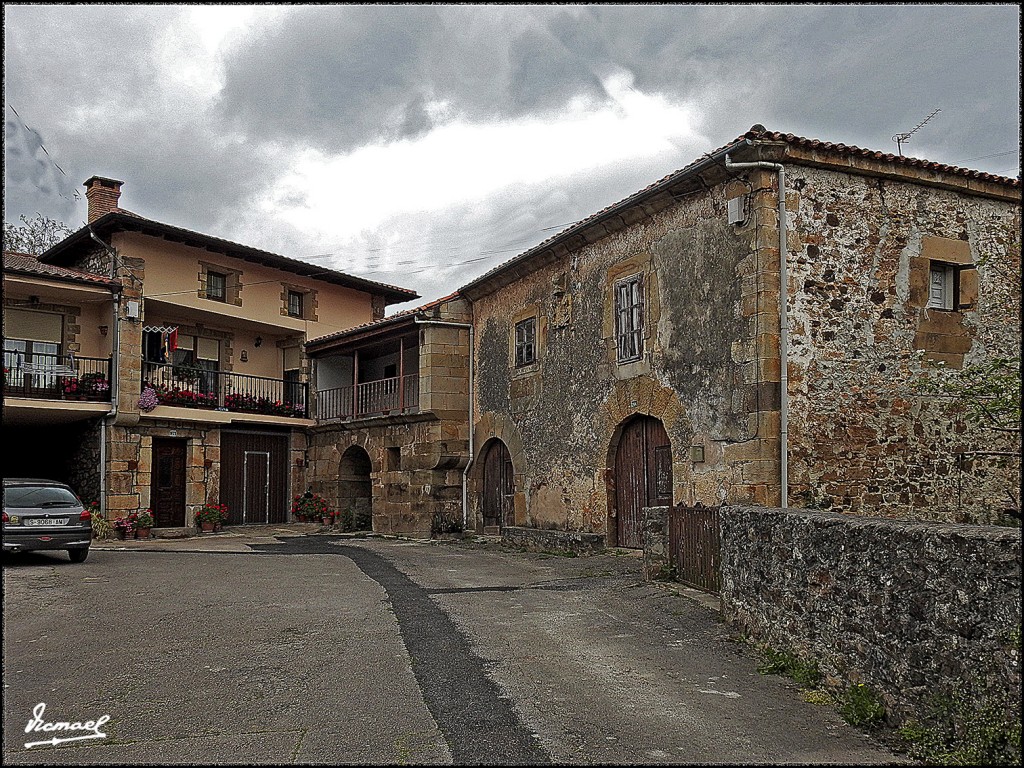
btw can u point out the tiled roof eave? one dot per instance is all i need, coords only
(122, 220)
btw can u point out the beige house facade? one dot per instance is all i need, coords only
(202, 340)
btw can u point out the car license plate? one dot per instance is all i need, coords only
(46, 521)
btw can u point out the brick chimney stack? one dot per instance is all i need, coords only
(102, 195)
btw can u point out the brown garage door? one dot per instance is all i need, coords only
(254, 477)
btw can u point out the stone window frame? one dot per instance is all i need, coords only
(232, 283)
(308, 301)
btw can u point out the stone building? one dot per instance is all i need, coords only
(655, 353)
(392, 410)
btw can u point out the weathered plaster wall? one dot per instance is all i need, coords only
(911, 609)
(862, 438)
(561, 417)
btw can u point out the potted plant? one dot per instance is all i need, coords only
(94, 384)
(312, 506)
(72, 389)
(143, 524)
(125, 526)
(211, 515)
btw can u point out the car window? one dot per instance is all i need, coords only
(27, 496)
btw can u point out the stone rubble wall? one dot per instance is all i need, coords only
(910, 609)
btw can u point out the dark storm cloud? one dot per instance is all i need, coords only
(857, 74)
(91, 81)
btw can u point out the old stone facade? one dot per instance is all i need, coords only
(393, 453)
(655, 371)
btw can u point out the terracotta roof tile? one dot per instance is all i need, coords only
(756, 132)
(405, 313)
(25, 263)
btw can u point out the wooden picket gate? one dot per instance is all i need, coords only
(695, 546)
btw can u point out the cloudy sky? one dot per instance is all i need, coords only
(423, 145)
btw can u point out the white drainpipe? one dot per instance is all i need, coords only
(469, 460)
(783, 323)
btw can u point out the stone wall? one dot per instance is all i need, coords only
(863, 437)
(414, 475)
(911, 609)
(540, 540)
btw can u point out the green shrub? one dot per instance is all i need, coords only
(959, 732)
(101, 527)
(861, 706)
(786, 663)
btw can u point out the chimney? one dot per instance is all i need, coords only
(102, 195)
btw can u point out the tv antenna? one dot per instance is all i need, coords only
(899, 138)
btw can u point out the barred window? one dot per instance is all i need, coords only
(526, 342)
(629, 319)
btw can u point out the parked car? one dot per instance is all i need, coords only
(44, 514)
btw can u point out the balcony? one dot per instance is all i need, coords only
(188, 387)
(57, 377)
(400, 394)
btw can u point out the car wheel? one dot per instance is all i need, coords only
(78, 555)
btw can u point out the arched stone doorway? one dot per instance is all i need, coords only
(642, 476)
(498, 486)
(355, 489)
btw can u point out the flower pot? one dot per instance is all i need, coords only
(207, 527)
(142, 533)
(122, 534)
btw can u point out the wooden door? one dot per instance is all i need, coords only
(254, 477)
(643, 476)
(167, 487)
(498, 507)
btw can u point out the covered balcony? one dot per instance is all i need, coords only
(378, 379)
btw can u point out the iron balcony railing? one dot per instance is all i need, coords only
(57, 377)
(372, 398)
(195, 387)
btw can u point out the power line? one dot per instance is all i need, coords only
(39, 141)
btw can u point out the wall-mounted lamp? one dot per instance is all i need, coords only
(104, 329)
(245, 356)
(258, 341)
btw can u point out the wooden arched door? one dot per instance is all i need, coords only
(643, 476)
(498, 508)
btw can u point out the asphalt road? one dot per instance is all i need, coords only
(318, 649)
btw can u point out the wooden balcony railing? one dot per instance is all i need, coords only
(224, 390)
(57, 377)
(372, 398)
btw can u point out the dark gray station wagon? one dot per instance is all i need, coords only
(43, 514)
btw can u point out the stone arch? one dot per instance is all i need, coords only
(491, 427)
(631, 399)
(355, 488)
